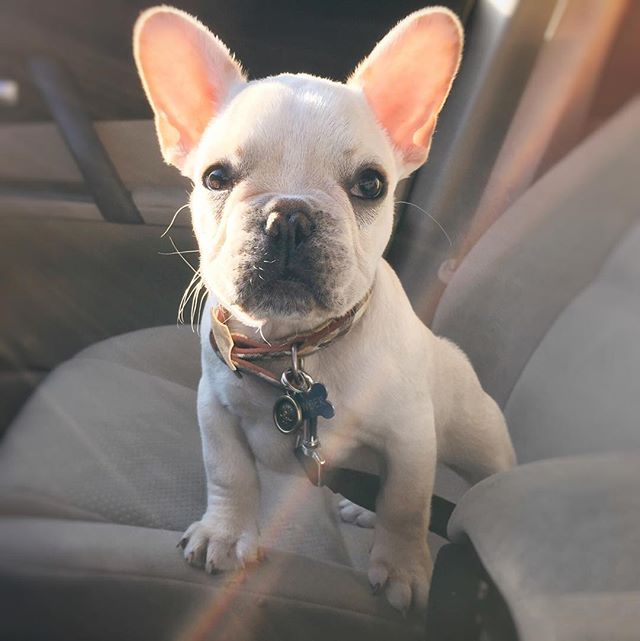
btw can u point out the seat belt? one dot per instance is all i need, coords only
(362, 489)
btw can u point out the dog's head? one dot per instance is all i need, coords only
(294, 175)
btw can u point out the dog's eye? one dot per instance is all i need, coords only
(217, 178)
(369, 185)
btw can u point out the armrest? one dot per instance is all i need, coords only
(560, 538)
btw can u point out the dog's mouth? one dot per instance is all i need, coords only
(289, 286)
(279, 290)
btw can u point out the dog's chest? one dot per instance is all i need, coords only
(252, 401)
(249, 399)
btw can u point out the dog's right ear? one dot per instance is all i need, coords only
(187, 74)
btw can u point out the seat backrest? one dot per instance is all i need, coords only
(547, 306)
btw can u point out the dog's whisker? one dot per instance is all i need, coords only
(198, 319)
(195, 304)
(194, 299)
(263, 336)
(182, 251)
(191, 313)
(424, 211)
(191, 267)
(191, 288)
(187, 292)
(203, 300)
(173, 220)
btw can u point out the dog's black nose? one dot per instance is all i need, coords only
(289, 225)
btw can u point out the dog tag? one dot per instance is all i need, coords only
(287, 414)
(314, 402)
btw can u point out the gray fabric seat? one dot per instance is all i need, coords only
(102, 468)
(560, 539)
(72, 579)
(547, 305)
(123, 446)
(100, 474)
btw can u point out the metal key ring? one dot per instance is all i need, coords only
(288, 379)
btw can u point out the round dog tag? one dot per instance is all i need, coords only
(287, 414)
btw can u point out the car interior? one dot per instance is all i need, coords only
(519, 240)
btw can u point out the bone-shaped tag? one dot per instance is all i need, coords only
(315, 402)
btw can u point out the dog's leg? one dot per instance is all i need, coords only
(400, 559)
(473, 438)
(478, 443)
(226, 536)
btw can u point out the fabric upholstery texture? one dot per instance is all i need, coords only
(118, 426)
(37, 151)
(51, 307)
(110, 445)
(64, 311)
(547, 307)
(560, 538)
(68, 580)
(119, 442)
(542, 253)
(578, 393)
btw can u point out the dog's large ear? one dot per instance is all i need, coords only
(407, 78)
(187, 73)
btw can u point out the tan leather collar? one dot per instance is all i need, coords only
(239, 351)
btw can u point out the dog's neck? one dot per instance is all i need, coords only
(271, 330)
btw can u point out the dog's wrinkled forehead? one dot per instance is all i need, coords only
(296, 131)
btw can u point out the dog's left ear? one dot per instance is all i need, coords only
(407, 78)
(187, 74)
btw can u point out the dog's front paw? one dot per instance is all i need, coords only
(216, 544)
(401, 567)
(352, 513)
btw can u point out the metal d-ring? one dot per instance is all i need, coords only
(298, 373)
(297, 363)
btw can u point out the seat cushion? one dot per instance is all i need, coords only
(102, 471)
(560, 539)
(112, 436)
(105, 456)
(62, 580)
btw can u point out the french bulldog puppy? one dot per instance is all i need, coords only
(292, 207)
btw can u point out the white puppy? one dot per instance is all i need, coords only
(292, 208)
